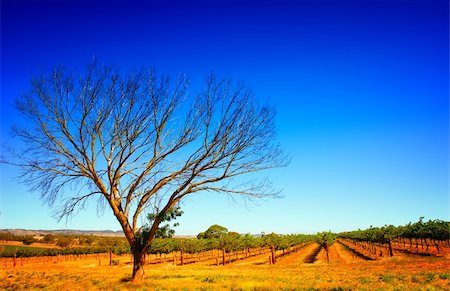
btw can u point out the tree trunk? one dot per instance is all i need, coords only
(437, 246)
(272, 250)
(391, 251)
(223, 256)
(325, 246)
(138, 266)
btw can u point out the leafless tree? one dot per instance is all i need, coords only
(140, 143)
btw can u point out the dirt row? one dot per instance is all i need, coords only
(311, 253)
(314, 254)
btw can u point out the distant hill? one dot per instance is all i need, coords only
(107, 233)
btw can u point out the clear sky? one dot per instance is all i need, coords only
(361, 90)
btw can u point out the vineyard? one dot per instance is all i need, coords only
(214, 251)
(410, 244)
(423, 239)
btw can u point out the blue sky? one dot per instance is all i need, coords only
(361, 90)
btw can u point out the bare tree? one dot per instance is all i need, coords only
(140, 143)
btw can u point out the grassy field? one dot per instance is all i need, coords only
(343, 272)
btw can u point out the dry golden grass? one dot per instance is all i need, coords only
(342, 273)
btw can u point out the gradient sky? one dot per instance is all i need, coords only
(361, 90)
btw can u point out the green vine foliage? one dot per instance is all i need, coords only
(437, 230)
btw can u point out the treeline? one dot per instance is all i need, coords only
(11, 251)
(435, 230)
(25, 239)
(66, 240)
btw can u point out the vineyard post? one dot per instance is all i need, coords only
(110, 258)
(182, 258)
(14, 260)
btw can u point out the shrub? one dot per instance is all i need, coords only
(28, 240)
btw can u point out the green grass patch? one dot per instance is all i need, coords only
(365, 280)
(387, 278)
(429, 277)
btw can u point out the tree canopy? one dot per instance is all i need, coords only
(214, 231)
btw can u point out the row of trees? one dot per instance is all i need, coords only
(436, 230)
(229, 242)
(25, 239)
(9, 252)
(65, 240)
(431, 231)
